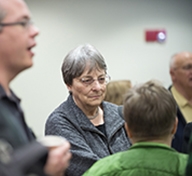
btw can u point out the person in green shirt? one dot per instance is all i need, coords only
(150, 114)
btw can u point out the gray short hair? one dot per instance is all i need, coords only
(150, 111)
(75, 62)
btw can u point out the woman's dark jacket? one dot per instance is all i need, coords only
(88, 144)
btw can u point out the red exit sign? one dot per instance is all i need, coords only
(155, 36)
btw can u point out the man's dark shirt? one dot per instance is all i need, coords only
(14, 132)
(177, 142)
(13, 127)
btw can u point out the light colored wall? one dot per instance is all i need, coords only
(116, 29)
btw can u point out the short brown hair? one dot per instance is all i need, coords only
(149, 110)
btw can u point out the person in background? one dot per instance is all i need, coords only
(150, 114)
(93, 127)
(115, 90)
(181, 89)
(17, 38)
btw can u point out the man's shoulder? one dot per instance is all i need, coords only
(106, 166)
(138, 161)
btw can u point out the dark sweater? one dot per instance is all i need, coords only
(177, 142)
(88, 144)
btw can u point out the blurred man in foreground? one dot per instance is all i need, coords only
(17, 38)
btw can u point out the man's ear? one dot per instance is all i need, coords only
(128, 131)
(172, 73)
(175, 126)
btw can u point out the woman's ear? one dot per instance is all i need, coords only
(128, 131)
(69, 89)
(175, 126)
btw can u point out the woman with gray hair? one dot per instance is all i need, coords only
(92, 126)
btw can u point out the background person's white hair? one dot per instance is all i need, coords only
(172, 62)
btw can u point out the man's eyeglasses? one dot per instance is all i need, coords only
(24, 24)
(186, 67)
(101, 80)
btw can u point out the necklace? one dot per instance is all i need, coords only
(91, 118)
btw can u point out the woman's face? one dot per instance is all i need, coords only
(88, 90)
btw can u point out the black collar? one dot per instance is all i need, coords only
(13, 97)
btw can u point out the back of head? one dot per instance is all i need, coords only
(150, 111)
(115, 91)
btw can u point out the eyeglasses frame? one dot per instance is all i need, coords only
(22, 23)
(106, 76)
(186, 68)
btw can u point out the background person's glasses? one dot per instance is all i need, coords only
(101, 80)
(25, 24)
(186, 67)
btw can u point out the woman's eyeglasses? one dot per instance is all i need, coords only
(101, 80)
